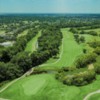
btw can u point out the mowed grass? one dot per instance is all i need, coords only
(31, 45)
(2, 32)
(90, 38)
(95, 97)
(69, 51)
(46, 87)
(23, 33)
(96, 30)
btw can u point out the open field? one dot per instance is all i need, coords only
(69, 51)
(31, 45)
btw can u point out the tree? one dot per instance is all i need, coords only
(82, 39)
(82, 32)
(4, 55)
(97, 51)
(97, 65)
(9, 71)
(86, 59)
(84, 51)
(23, 60)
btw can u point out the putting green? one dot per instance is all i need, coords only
(46, 87)
(35, 85)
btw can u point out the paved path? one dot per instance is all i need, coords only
(26, 74)
(90, 94)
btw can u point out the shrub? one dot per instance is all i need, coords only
(86, 59)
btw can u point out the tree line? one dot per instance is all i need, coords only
(22, 61)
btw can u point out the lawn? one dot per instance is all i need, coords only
(95, 97)
(46, 87)
(69, 51)
(31, 45)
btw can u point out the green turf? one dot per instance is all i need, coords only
(95, 97)
(90, 38)
(69, 51)
(31, 45)
(45, 87)
(96, 30)
(2, 31)
(23, 33)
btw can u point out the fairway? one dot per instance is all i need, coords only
(46, 87)
(31, 45)
(2, 32)
(69, 51)
(96, 30)
(39, 87)
(95, 97)
(23, 33)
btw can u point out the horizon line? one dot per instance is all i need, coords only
(44, 13)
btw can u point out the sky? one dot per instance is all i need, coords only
(49, 6)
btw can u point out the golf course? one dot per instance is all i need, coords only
(45, 86)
